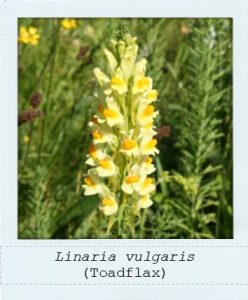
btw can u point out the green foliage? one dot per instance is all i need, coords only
(190, 61)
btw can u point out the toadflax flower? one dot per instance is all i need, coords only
(28, 35)
(120, 158)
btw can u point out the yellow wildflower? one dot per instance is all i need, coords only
(28, 35)
(108, 205)
(145, 201)
(123, 131)
(92, 184)
(69, 23)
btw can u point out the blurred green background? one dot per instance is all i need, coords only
(190, 61)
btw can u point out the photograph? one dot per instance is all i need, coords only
(125, 128)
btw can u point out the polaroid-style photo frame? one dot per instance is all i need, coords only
(123, 149)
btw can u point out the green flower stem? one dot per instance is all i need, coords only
(48, 94)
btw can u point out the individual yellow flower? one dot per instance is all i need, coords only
(143, 84)
(118, 84)
(146, 114)
(129, 147)
(148, 130)
(148, 146)
(145, 202)
(28, 35)
(146, 186)
(95, 154)
(112, 113)
(131, 181)
(152, 95)
(147, 165)
(92, 184)
(69, 23)
(106, 167)
(109, 205)
(101, 136)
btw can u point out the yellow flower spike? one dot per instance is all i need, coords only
(123, 132)
(69, 23)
